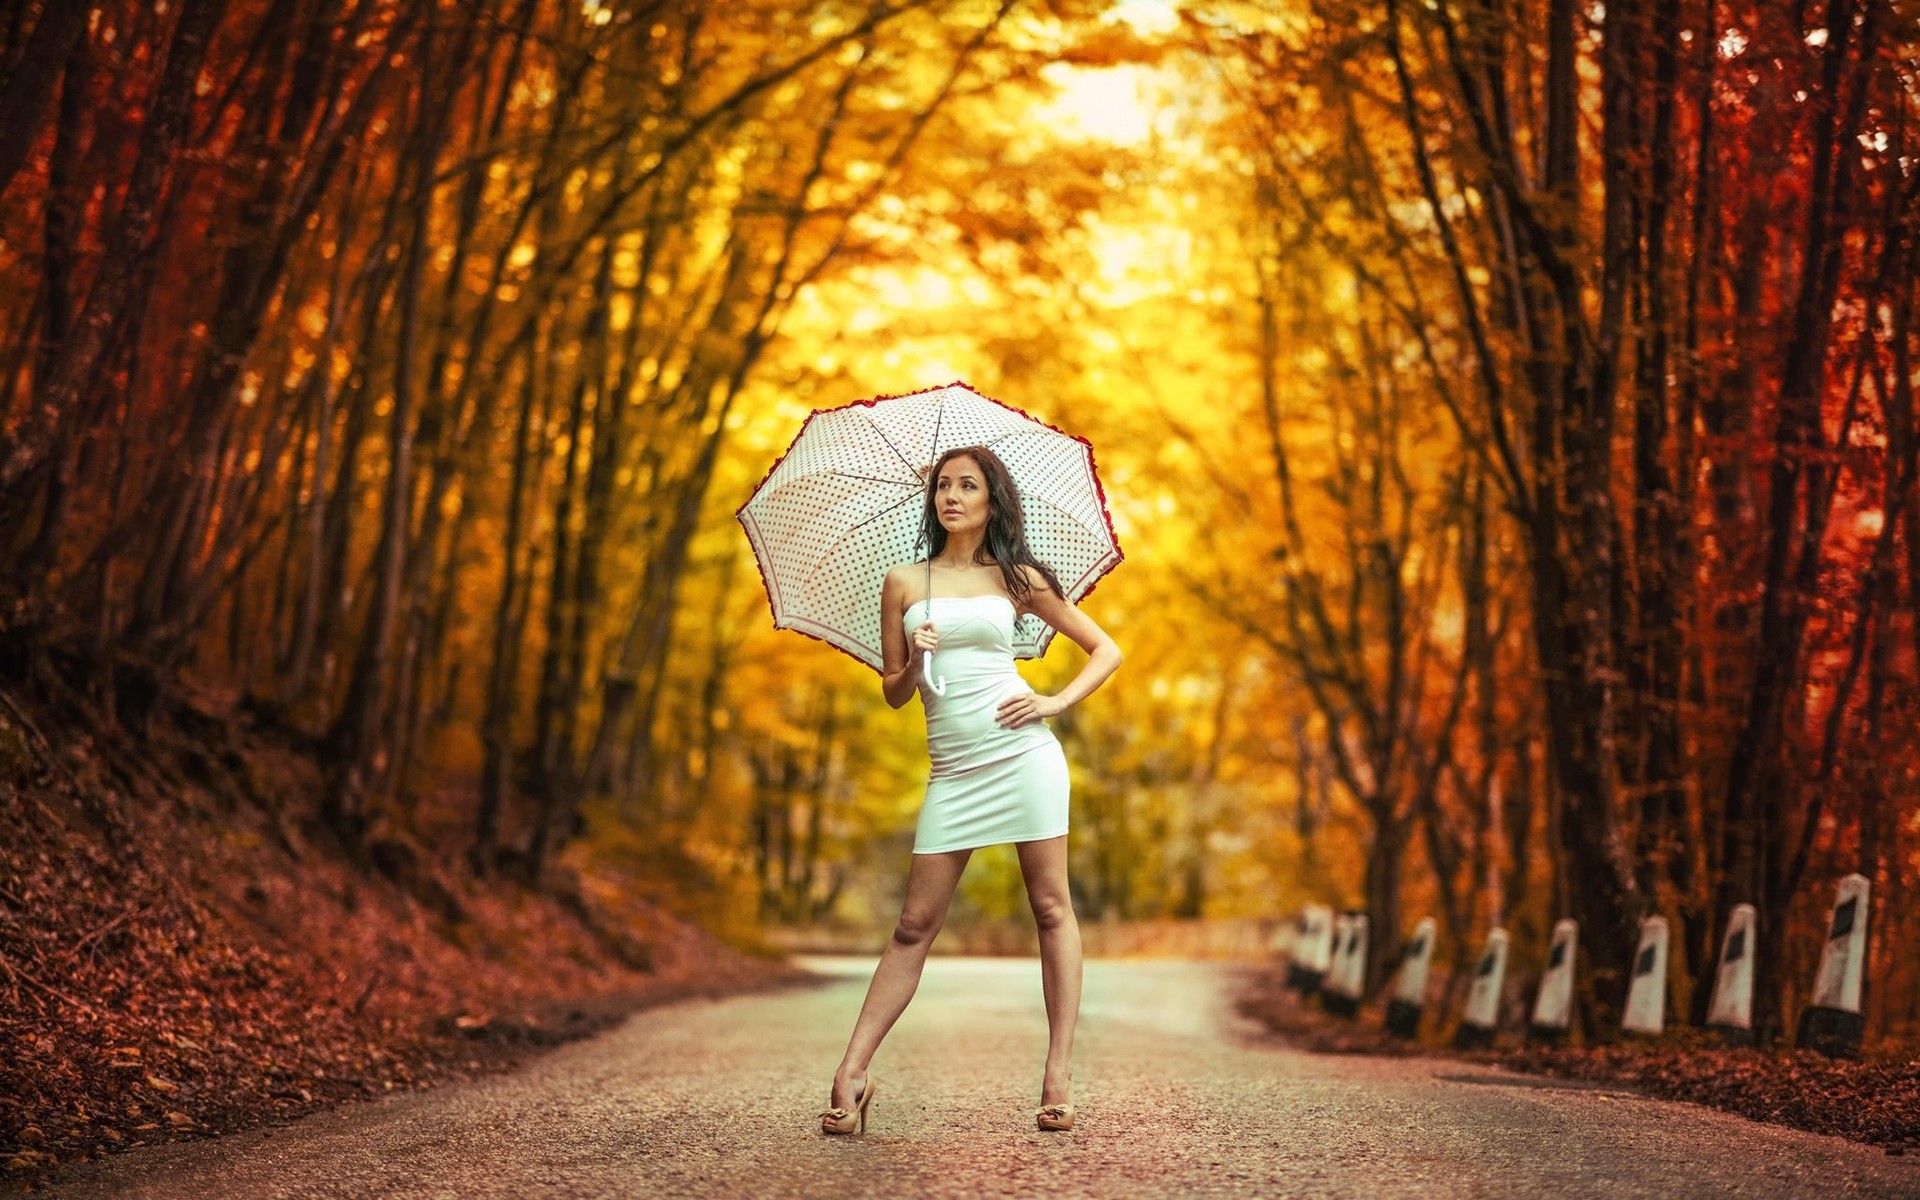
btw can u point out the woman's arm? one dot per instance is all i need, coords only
(900, 657)
(1103, 657)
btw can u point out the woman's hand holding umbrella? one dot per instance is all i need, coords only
(925, 640)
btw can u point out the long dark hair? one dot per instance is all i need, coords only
(1005, 542)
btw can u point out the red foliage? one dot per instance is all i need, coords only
(1877, 1102)
(177, 962)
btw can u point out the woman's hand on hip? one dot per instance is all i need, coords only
(1025, 708)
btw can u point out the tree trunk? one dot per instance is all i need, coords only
(29, 82)
(81, 354)
(357, 734)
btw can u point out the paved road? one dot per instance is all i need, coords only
(1177, 1098)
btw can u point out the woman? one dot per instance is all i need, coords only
(997, 772)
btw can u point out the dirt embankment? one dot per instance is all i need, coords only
(184, 953)
(1875, 1101)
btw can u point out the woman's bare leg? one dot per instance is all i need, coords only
(930, 883)
(1043, 865)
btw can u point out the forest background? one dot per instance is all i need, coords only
(1506, 408)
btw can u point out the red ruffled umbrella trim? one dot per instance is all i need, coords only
(1093, 465)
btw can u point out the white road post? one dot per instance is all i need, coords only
(1833, 1024)
(1312, 949)
(1347, 979)
(1731, 1012)
(1647, 994)
(1482, 1017)
(1553, 1004)
(1338, 923)
(1409, 997)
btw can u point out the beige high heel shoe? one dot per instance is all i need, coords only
(1053, 1117)
(842, 1120)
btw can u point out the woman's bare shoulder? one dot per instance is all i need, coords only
(1034, 578)
(896, 577)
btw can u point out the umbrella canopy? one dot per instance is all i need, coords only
(845, 502)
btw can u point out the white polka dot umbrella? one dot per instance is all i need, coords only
(845, 502)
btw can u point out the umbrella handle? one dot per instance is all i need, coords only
(937, 686)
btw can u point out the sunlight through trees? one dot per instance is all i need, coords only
(1507, 408)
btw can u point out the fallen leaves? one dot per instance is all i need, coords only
(143, 998)
(1877, 1102)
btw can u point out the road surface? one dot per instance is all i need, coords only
(1177, 1097)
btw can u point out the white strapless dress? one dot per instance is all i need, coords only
(987, 784)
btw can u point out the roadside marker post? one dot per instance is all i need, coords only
(1833, 1024)
(1553, 1004)
(1482, 1017)
(1346, 980)
(1731, 1012)
(1312, 949)
(1647, 995)
(1409, 997)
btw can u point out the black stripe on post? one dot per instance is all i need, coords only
(1843, 919)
